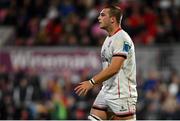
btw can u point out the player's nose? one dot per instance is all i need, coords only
(99, 18)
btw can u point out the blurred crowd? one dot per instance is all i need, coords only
(26, 94)
(159, 96)
(74, 22)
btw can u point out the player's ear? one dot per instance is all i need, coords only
(112, 19)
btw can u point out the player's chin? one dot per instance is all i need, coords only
(102, 27)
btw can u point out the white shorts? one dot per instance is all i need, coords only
(119, 106)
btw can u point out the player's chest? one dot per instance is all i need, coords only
(106, 51)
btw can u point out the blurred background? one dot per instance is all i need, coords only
(48, 46)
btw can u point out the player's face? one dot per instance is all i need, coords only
(104, 19)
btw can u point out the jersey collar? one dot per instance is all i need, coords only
(115, 32)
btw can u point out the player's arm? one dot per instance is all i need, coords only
(111, 70)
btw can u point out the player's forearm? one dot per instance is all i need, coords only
(105, 74)
(111, 70)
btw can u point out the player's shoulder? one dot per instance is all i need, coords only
(123, 36)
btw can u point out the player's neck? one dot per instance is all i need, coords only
(113, 30)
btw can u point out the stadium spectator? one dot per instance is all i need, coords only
(147, 22)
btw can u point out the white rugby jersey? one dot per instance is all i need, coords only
(123, 84)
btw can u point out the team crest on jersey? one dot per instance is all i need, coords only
(126, 47)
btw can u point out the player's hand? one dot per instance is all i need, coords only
(83, 88)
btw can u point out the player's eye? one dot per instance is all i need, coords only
(102, 14)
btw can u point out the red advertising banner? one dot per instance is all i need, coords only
(49, 60)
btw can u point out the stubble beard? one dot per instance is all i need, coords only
(103, 27)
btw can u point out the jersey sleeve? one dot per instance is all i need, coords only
(121, 48)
